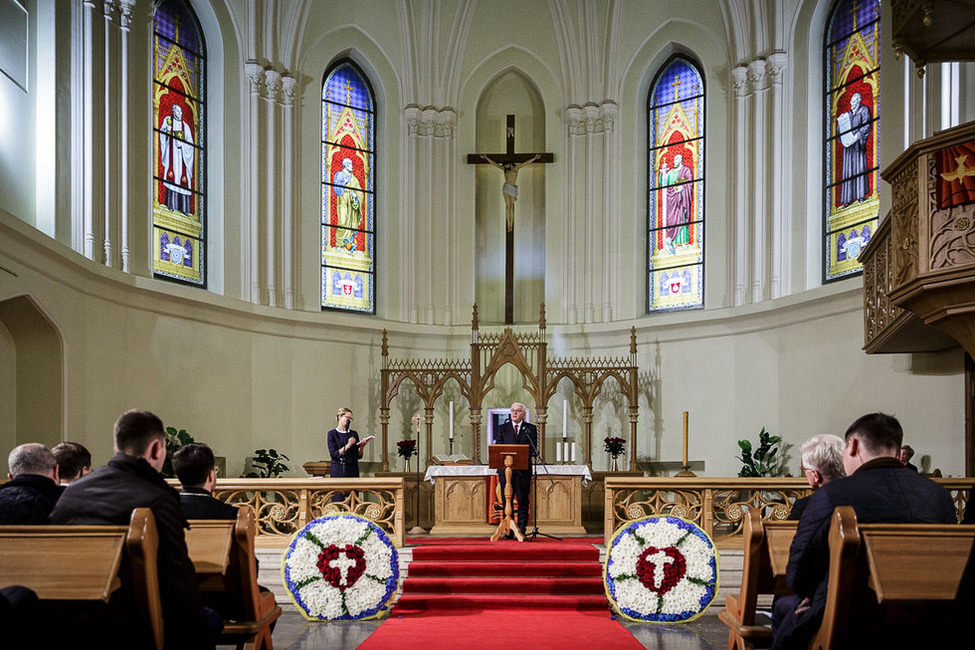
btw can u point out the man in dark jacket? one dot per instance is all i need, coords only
(132, 480)
(32, 490)
(516, 431)
(194, 466)
(881, 490)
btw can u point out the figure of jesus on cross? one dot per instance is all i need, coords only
(510, 188)
(509, 163)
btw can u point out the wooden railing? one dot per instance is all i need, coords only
(282, 506)
(717, 505)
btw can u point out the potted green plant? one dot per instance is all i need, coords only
(174, 440)
(762, 460)
(269, 464)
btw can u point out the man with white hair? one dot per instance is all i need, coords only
(517, 431)
(32, 490)
(822, 462)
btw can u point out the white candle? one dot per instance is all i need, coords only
(451, 420)
(566, 452)
(565, 418)
(558, 453)
(573, 452)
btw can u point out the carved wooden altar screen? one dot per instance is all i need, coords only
(528, 353)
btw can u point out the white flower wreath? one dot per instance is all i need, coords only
(341, 567)
(661, 570)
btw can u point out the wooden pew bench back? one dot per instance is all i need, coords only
(84, 563)
(225, 557)
(766, 554)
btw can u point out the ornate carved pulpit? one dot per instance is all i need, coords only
(919, 270)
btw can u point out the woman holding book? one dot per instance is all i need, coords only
(345, 447)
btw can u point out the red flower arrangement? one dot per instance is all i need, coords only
(406, 448)
(614, 446)
(333, 574)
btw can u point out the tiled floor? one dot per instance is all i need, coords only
(295, 633)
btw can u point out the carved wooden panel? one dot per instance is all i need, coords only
(904, 225)
(953, 237)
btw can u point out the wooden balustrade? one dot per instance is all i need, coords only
(717, 505)
(282, 506)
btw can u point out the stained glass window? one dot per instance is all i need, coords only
(852, 130)
(675, 131)
(179, 154)
(348, 190)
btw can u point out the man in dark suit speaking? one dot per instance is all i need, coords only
(518, 432)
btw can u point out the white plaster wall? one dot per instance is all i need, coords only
(241, 377)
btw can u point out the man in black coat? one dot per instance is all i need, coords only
(881, 490)
(518, 432)
(33, 489)
(195, 469)
(132, 480)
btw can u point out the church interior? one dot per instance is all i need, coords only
(244, 215)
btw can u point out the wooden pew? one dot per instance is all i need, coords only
(223, 553)
(766, 556)
(83, 563)
(891, 565)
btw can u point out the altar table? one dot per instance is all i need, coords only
(460, 500)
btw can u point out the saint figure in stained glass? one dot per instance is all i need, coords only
(852, 204)
(348, 190)
(178, 215)
(176, 157)
(676, 197)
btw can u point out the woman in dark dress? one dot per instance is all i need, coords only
(343, 447)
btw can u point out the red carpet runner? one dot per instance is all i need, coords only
(470, 593)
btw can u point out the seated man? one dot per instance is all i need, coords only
(74, 461)
(132, 480)
(194, 466)
(32, 491)
(881, 490)
(822, 461)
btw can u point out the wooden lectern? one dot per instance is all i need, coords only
(509, 457)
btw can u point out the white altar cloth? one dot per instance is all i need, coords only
(434, 471)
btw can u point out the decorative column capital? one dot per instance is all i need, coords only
(272, 82)
(574, 120)
(444, 122)
(757, 73)
(412, 119)
(607, 113)
(255, 74)
(739, 78)
(777, 63)
(591, 113)
(288, 88)
(125, 13)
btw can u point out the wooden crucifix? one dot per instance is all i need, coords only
(509, 163)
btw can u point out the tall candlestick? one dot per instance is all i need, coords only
(451, 419)
(565, 418)
(685, 438)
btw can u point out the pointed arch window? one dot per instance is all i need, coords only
(179, 144)
(348, 190)
(675, 130)
(852, 131)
